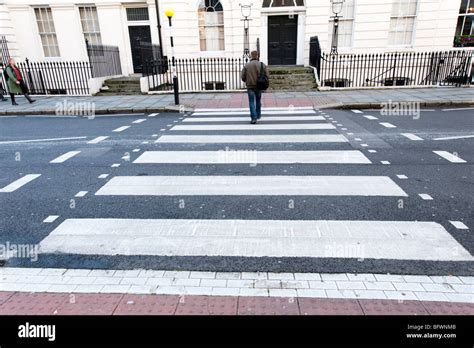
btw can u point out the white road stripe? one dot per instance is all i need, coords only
(19, 183)
(153, 115)
(103, 176)
(403, 240)
(456, 138)
(387, 125)
(50, 219)
(63, 158)
(121, 129)
(251, 186)
(402, 177)
(39, 140)
(264, 112)
(371, 117)
(459, 225)
(425, 196)
(249, 139)
(115, 165)
(139, 121)
(385, 162)
(81, 194)
(458, 109)
(357, 111)
(412, 136)
(246, 119)
(251, 127)
(310, 108)
(450, 157)
(97, 140)
(256, 157)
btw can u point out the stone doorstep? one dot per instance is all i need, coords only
(14, 303)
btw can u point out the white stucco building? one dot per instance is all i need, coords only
(56, 29)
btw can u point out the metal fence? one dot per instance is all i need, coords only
(199, 74)
(104, 60)
(4, 55)
(446, 68)
(56, 77)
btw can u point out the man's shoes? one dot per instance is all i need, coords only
(259, 117)
(14, 103)
(253, 122)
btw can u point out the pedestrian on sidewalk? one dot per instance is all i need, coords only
(15, 82)
(251, 73)
(2, 90)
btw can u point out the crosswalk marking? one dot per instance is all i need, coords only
(63, 158)
(253, 157)
(249, 139)
(450, 157)
(51, 219)
(19, 183)
(412, 136)
(250, 238)
(459, 225)
(387, 125)
(97, 140)
(121, 129)
(139, 121)
(371, 118)
(264, 112)
(251, 186)
(250, 127)
(246, 119)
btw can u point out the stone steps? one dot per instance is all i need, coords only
(121, 86)
(291, 78)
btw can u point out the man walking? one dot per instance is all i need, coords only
(15, 82)
(250, 74)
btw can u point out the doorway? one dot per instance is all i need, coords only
(138, 34)
(282, 40)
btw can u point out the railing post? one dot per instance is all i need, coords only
(30, 77)
(89, 55)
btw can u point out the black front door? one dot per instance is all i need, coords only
(282, 37)
(138, 34)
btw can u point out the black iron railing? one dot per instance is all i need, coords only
(56, 77)
(195, 74)
(447, 68)
(104, 60)
(4, 55)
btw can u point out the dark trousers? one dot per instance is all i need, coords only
(24, 90)
(2, 91)
(255, 103)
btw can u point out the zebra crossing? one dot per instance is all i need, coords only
(213, 132)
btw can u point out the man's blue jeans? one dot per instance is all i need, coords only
(255, 102)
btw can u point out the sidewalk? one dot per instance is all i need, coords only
(361, 99)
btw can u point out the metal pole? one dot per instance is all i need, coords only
(175, 76)
(159, 28)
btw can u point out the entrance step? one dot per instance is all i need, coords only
(291, 78)
(121, 86)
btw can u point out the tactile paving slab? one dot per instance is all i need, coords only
(449, 308)
(205, 305)
(4, 296)
(32, 304)
(89, 304)
(388, 307)
(320, 306)
(268, 306)
(147, 305)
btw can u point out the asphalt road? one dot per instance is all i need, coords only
(29, 144)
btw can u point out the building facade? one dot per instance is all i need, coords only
(56, 29)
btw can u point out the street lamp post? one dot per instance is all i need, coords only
(246, 12)
(337, 6)
(170, 13)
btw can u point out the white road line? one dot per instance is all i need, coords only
(364, 145)
(458, 109)
(81, 194)
(249, 139)
(387, 125)
(250, 127)
(115, 165)
(63, 158)
(153, 115)
(371, 117)
(357, 111)
(121, 129)
(246, 119)
(139, 121)
(296, 108)
(19, 183)
(50, 219)
(456, 138)
(247, 113)
(427, 241)
(97, 140)
(412, 136)
(426, 196)
(103, 176)
(450, 157)
(402, 177)
(39, 140)
(373, 151)
(385, 162)
(459, 225)
(136, 150)
(251, 186)
(256, 157)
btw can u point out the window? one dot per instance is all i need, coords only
(282, 3)
(402, 22)
(137, 14)
(346, 25)
(47, 32)
(211, 25)
(90, 24)
(465, 25)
